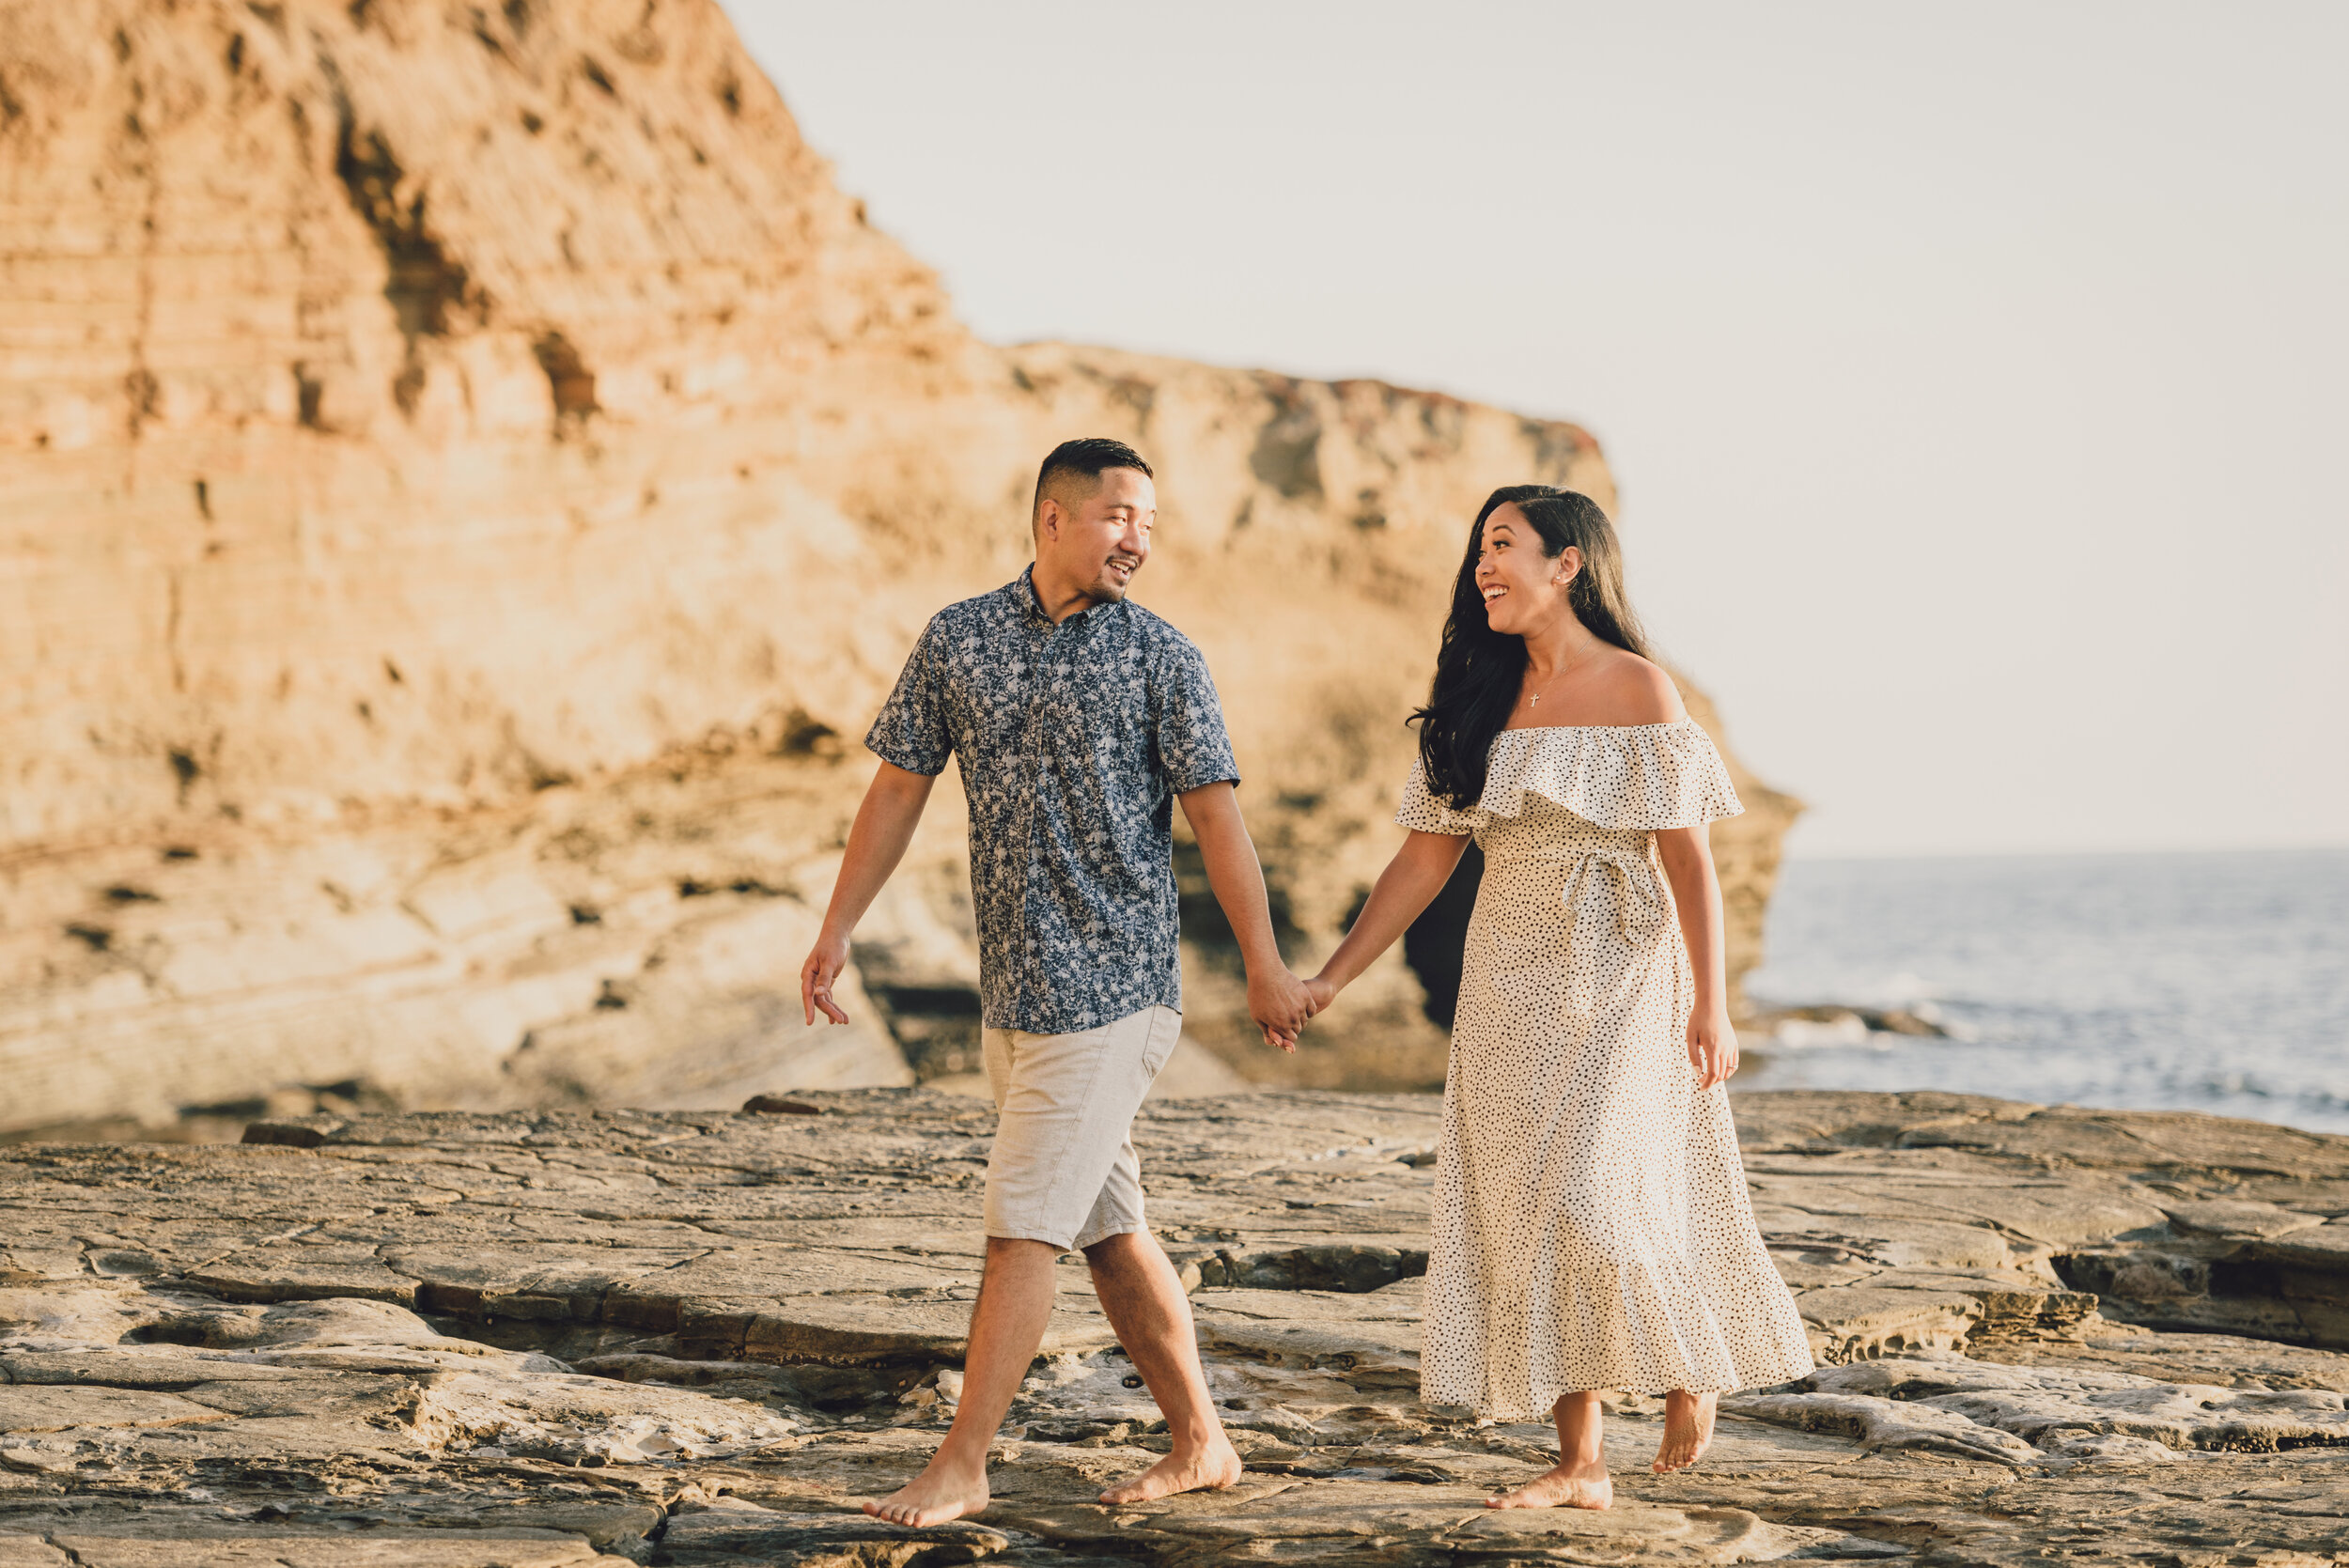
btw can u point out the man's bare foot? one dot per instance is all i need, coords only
(1577, 1485)
(1209, 1470)
(1687, 1429)
(932, 1497)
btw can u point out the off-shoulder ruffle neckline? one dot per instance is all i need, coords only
(1619, 776)
(1600, 729)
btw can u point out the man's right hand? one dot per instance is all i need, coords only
(877, 842)
(825, 961)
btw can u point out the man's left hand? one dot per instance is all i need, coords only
(1281, 1004)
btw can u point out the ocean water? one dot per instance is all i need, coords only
(2209, 981)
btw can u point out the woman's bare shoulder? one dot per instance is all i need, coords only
(1628, 690)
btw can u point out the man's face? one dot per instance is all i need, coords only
(1096, 542)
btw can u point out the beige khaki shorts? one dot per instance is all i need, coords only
(1063, 1170)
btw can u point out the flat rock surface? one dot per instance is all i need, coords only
(457, 1340)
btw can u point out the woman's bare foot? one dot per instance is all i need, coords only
(1687, 1429)
(1210, 1468)
(932, 1497)
(1577, 1485)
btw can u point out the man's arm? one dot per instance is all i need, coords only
(884, 826)
(1277, 1000)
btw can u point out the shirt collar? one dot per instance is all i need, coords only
(1023, 596)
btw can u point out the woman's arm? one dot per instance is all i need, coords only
(1407, 886)
(1687, 857)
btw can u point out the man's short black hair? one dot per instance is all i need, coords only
(1090, 455)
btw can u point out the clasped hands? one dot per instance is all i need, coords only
(1281, 1004)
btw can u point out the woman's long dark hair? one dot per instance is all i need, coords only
(1478, 670)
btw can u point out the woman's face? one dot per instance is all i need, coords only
(1522, 588)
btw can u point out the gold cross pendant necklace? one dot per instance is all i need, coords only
(1535, 700)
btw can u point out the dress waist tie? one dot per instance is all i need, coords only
(1640, 907)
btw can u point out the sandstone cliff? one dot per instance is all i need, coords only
(466, 479)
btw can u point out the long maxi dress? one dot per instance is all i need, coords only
(1591, 1223)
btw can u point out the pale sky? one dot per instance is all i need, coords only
(1975, 376)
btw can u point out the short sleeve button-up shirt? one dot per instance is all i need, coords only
(1074, 740)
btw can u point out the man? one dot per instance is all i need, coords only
(1079, 718)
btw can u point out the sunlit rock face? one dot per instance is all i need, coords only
(467, 477)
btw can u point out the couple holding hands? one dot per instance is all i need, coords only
(1590, 1225)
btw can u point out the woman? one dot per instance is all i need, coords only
(1591, 1224)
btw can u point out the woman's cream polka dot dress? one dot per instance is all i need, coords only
(1591, 1223)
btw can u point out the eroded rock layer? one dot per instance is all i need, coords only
(700, 1338)
(467, 476)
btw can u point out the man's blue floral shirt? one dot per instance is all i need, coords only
(1074, 740)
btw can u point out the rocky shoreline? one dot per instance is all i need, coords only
(695, 1337)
